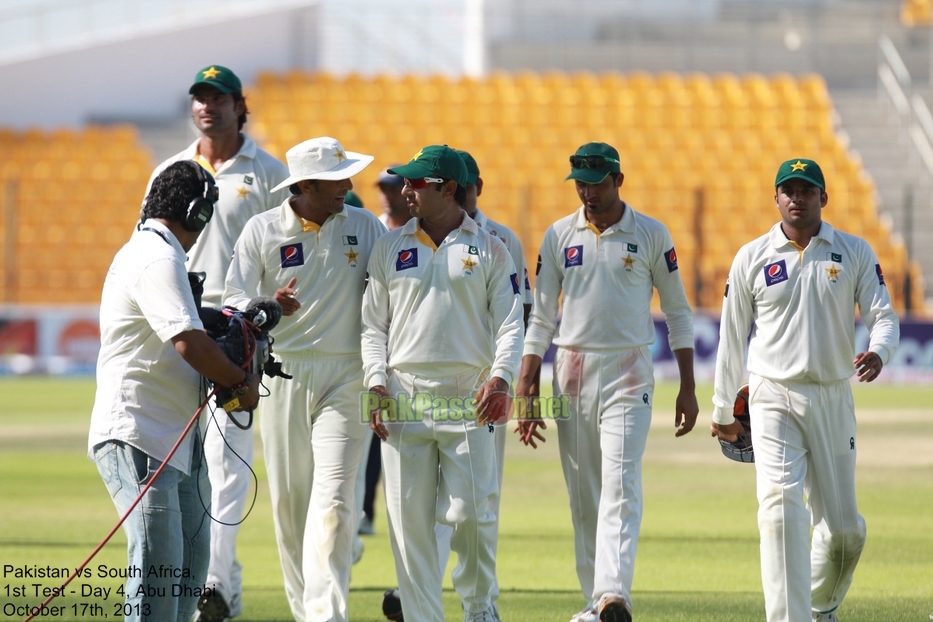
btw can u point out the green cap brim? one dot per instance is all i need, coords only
(215, 85)
(587, 175)
(412, 170)
(799, 175)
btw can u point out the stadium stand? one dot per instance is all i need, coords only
(698, 151)
(68, 202)
(916, 13)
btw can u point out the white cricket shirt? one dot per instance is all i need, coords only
(444, 311)
(802, 303)
(146, 393)
(243, 184)
(511, 242)
(330, 264)
(607, 280)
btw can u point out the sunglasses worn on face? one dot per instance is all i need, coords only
(418, 184)
(591, 161)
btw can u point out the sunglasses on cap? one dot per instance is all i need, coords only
(591, 161)
(418, 184)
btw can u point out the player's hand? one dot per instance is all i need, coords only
(493, 402)
(867, 366)
(686, 410)
(528, 391)
(251, 399)
(727, 432)
(528, 431)
(285, 296)
(375, 421)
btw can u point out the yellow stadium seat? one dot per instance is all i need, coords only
(676, 134)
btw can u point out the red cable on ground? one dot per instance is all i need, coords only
(123, 518)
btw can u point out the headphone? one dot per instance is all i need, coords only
(201, 208)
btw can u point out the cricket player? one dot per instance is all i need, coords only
(153, 352)
(310, 254)
(606, 259)
(442, 324)
(395, 212)
(474, 188)
(798, 285)
(245, 176)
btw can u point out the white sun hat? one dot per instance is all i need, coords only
(322, 158)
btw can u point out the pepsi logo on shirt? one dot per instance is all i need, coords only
(407, 258)
(573, 256)
(292, 255)
(775, 273)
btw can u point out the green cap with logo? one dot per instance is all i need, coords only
(593, 162)
(799, 168)
(471, 165)
(219, 77)
(434, 161)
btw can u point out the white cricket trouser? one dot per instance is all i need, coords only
(443, 532)
(804, 439)
(312, 438)
(229, 453)
(440, 472)
(601, 446)
(360, 495)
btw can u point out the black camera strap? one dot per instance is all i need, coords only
(157, 232)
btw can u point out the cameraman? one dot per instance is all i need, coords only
(146, 395)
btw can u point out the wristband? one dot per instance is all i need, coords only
(241, 389)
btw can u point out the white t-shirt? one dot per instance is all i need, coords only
(146, 393)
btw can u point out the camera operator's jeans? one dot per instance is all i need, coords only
(168, 533)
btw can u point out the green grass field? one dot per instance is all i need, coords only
(697, 559)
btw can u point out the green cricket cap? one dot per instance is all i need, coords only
(800, 168)
(353, 199)
(471, 166)
(220, 78)
(593, 162)
(434, 161)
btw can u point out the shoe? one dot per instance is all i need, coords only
(213, 607)
(614, 609)
(828, 617)
(392, 606)
(366, 526)
(587, 615)
(490, 614)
